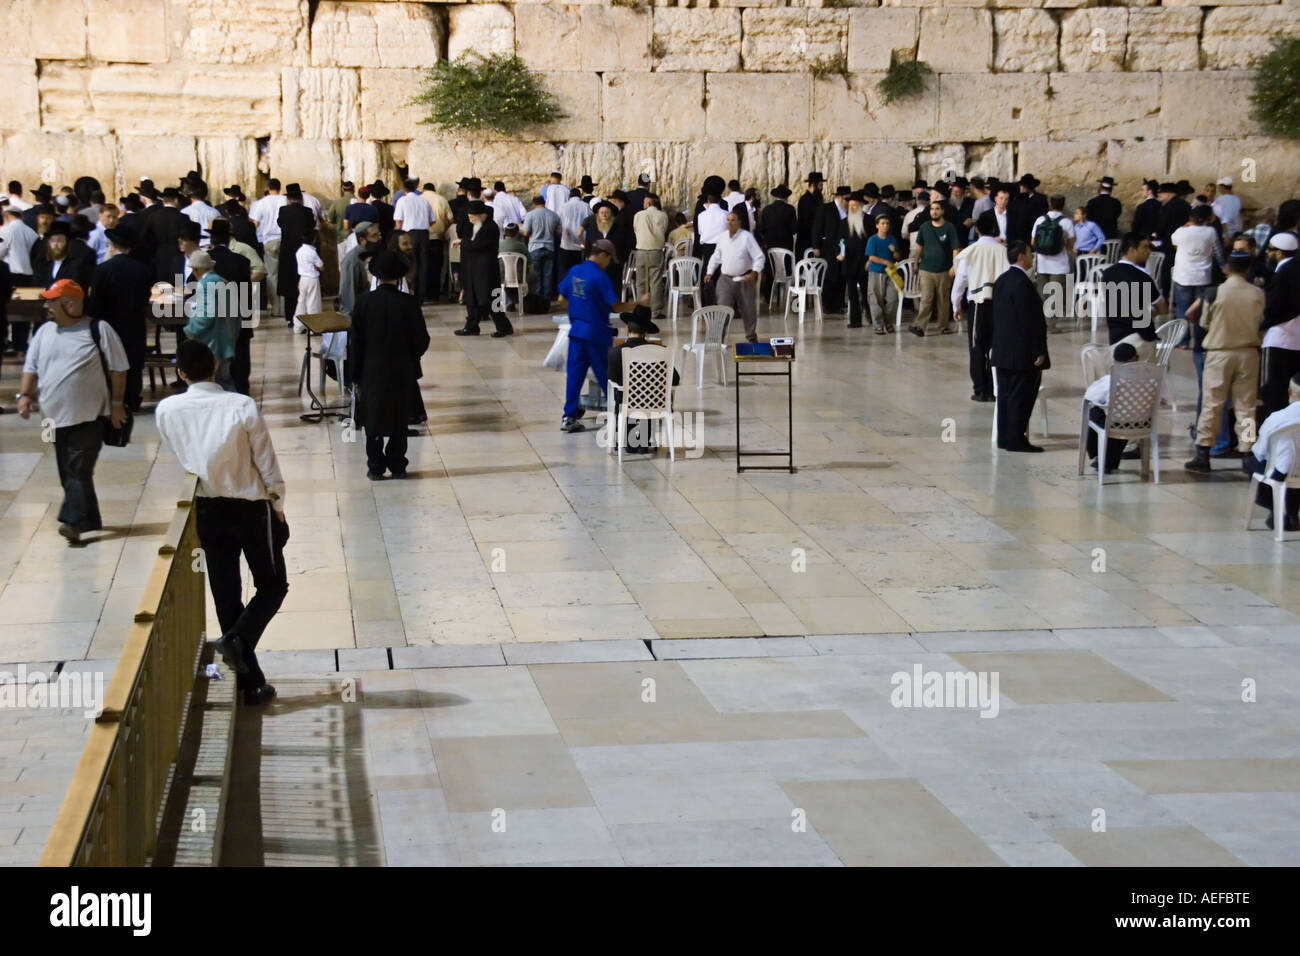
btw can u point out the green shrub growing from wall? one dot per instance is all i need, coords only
(905, 78)
(1276, 99)
(496, 94)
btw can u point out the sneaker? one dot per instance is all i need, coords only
(571, 424)
(232, 652)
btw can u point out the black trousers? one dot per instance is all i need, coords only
(857, 287)
(1264, 495)
(241, 366)
(566, 259)
(474, 314)
(833, 287)
(420, 253)
(290, 301)
(437, 251)
(1279, 365)
(228, 527)
(386, 452)
(709, 290)
(18, 332)
(1017, 392)
(135, 342)
(76, 449)
(1114, 446)
(981, 375)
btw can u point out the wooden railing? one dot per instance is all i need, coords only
(110, 814)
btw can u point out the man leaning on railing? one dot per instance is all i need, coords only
(220, 437)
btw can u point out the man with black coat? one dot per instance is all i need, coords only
(1174, 213)
(235, 269)
(165, 222)
(854, 231)
(296, 221)
(54, 257)
(1026, 209)
(387, 338)
(809, 203)
(478, 239)
(1019, 348)
(778, 222)
(383, 210)
(1146, 217)
(1104, 209)
(825, 244)
(119, 295)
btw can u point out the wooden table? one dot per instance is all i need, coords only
(760, 361)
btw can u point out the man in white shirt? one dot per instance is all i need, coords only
(239, 507)
(734, 196)
(16, 241)
(16, 200)
(975, 269)
(1052, 263)
(98, 238)
(573, 214)
(555, 193)
(1196, 250)
(199, 211)
(264, 214)
(414, 214)
(1227, 206)
(510, 209)
(1283, 455)
(70, 374)
(1097, 397)
(740, 259)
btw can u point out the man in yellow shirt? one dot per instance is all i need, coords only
(440, 220)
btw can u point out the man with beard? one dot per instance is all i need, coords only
(1018, 338)
(938, 241)
(606, 226)
(809, 203)
(120, 296)
(825, 240)
(853, 236)
(296, 221)
(478, 240)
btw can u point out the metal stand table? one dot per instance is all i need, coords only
(788, 362)
(318, 323)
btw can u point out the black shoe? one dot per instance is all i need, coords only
(917, 331)
(502, 335)
(259, 696)
(375, 475)
(415, 433)
(1228, 453)
(978, 397)
(988, 399)
(231, 650)
(400, 474)
(466, 332)
(1200, 462)
(1026, 446)
(71, 533)
(855, 325)
(582, 412)
(1288, 523)
(572, 425)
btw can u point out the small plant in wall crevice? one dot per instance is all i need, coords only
(476, 93)
(1276, 99)
(906, 78)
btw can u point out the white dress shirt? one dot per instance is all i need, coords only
(712, 223)
(556, 195)
(98, 240)
(736, 254)
(1285, 335)
(203, 214)
(220, 437)
(312, 203)
(413, 212)
(507, 209)
(572, 215)
(1194, 254)
(1098, 392)
(266, 213)
(733, 199)
(16, 241)
(1228, 208)
(1282, 417)
(17, 202)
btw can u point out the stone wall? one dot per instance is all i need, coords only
(765, 90)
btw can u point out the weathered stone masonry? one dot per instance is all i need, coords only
(316, 91)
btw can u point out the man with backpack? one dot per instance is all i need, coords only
(1053, 239)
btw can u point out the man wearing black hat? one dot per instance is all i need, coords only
(479, 241)
(120, 296)
(1104, 209)
(809, 204)
(383, 209)
(387, 338)
(1026, 208)
(640, 323)
(237, 270)
(1019, 348)
(1174, 213)
(296, 222)
(52, 258)
(1146, 217)
(825, 243)
(777, 221)
(43, 196)
(636, 197)
(164, 228)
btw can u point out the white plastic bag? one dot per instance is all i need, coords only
(558, 357)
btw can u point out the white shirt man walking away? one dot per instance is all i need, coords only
(67, 367)
(738, 255)
(220, 437)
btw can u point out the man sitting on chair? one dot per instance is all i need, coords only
(640, 439)
(1098, 394)
(1254, 462)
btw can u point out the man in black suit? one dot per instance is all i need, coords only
(1026, 208)
(1019, 354)
(54, 257)
(826, 245)
(120, 296)
(236, 269)
(809, 203)
(296, 221)
(1146, 217)
(1174, 213)
(165, 224)
(778, 222)
(1104, 209)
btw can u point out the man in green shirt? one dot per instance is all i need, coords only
(938, 240)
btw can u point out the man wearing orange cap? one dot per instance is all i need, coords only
(67, 363)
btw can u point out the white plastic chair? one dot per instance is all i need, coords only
(683, 281)
(911, 289)
(1131, 412)
(1087, 270)
(807, 281)
(781, 262)
(1096, 361)
(1168, 336)
(647, 393)
(629, 281)
(1042, 404)
(514, 275)
(1110, 250)
(715, 319)
(1289, 434)
(1156, 265)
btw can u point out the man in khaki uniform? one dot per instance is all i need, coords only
(440, 220)
(651, 228)
(1232, 341)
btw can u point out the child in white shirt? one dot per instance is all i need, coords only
(309, 266)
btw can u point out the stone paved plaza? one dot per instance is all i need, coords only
(498, 614)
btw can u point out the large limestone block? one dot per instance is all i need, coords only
(1196, 160)
(1206, 104)
(991, 159)
(1236, 38)
(312, 163)
(1094, 39)
(133, 32)
(852, 110)
(523, 167)
(880, 163)
(667, 166)
(435, 158)
(484, 28)
(261, 32)
(375, 34)
(362, 162)
(386, 110)
(603, 162)
(1026, 41)
(1110, 105)
(790, 40)
(163, 159)
(874, 35)
(201, 100)
(585, 38)
(832, 160)
(58, 158)
(957, 40)
(1222, 3)
(320, 102)
(945, 161)
(1066, 166)
(745, 107)
(1264, 168)
(1161, 39)
(228, 161)
(1132, 161)
(653, 106)
(579, 97)
(977, 106)
(22, 104)
(45, 29)
(696, 39)
(711, 159)
(762, 165)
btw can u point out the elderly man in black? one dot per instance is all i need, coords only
(478, 239)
